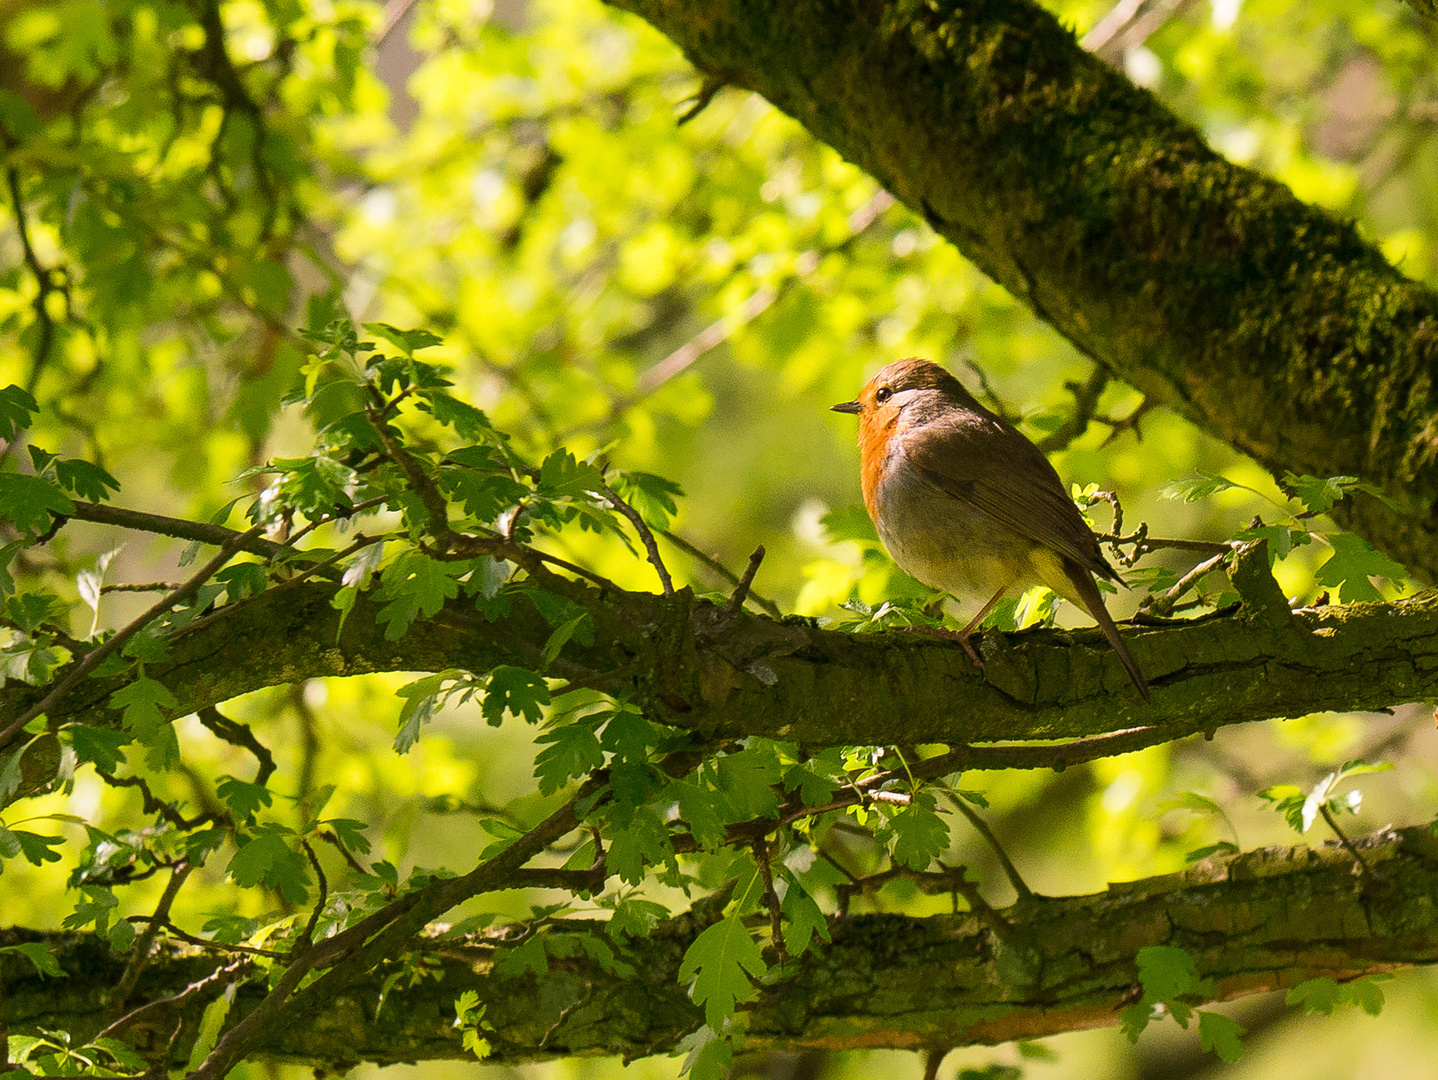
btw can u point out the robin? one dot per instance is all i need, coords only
(965, 503)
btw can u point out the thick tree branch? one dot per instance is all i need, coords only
(728, 673)
(1208, 286)
(1260, 921)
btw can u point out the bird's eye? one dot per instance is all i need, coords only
(883, 394)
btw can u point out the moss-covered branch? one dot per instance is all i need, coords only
(1268, 322)
(730, 673)
(1264, 920)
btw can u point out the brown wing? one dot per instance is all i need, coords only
(977, 457)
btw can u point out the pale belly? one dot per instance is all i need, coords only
(951, 545)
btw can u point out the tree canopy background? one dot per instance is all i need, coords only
(648, 277)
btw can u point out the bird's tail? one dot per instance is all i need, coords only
(1091, 601)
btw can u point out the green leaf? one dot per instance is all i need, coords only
(28, 501)
(1133, 1019)
(1224, 847)
(36, 848)
(515, 690)
(122, 935)
(637, 842)
(849, 523)
(719, 963)
(1318, 494)
(1167, 974)
(142, 701)
(212, 1022)
(266, 858)
(527, 956)
(244, 799)
(421, 699)
(634, 917)
(703, 811)
(101, 746)
(748, 780)
(580, 627)
(17, 408)
(707, 1055)
(1323, 995)
(653, 497)
(561, 476)
(85, 480)
(1220, 1034)
(38, 953)
(1353, 562)
(571, 752)
(414, 586)
(1202, 486)
(406, 340)
(804, 916)
(920, 835)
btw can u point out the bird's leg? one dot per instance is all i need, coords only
(968, 631)
(962, 636)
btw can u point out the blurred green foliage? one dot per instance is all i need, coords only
(186, 185)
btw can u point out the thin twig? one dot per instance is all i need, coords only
(770, 608)
(44, 280)
(771, 899)
(646, 537)
(742, 589)
(224, 975)
(1162, 605)
(982, 827)
(1343, 838)
(308, 934)
(147, 586)
(178, 528)
(98, 655)
(1086, 395)
(684, 357)
(152, 804)
(712, 85)
(146, 941)
(206, 943)
(237, 734)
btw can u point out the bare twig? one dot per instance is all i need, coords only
(712, 85)
(44, 277)
(1343, 838)
(742, 589)
(205, 943)
(152, 804)
(237, 734)
(682, 358)
(982, 828)
(770, 608)
(140, 955)
(771, 899)
(646, 537)
(98, 655)
(1086, 395)
(308, 934)
(1160, 606)
(223, 976)
(175, 527)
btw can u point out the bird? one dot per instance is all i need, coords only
(964, 502)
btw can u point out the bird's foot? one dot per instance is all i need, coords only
(961, 636)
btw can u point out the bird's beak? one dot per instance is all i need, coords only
(847, 406)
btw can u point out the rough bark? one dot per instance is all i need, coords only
(1263, 920)
(1268, 322)
(729, 674)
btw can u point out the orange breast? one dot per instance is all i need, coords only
(875, 431)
